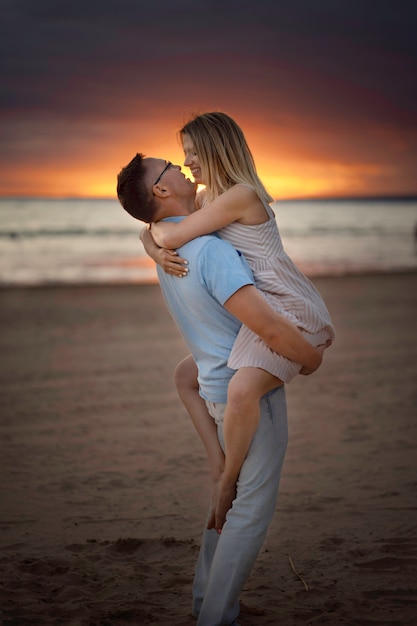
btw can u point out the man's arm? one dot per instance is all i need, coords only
(281, 335)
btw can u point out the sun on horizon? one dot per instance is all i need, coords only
(327, 181)
(286, 173)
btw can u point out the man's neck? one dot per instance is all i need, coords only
(176, 208)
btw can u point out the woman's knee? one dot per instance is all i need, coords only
(242, 393)
(185, 375)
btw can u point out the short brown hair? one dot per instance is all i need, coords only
(133, 193)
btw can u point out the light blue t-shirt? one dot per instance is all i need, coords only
(216, 272)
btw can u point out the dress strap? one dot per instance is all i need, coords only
(268, 209)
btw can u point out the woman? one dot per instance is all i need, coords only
(236, 205)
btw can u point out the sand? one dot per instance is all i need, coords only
(104, 484)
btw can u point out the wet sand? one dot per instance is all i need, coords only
(104, 484)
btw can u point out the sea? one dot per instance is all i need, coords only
(94, 241)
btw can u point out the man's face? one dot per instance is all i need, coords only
(165, 175)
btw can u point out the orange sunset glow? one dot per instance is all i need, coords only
(281, 179)
(327, 109)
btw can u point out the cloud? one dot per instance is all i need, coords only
(77, 74)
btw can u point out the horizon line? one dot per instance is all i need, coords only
(406, 196)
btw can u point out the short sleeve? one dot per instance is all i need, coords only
(223, 270)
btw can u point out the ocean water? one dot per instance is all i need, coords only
(95, 241)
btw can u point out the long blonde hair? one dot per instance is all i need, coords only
(225, 157)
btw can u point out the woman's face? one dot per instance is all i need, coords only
(191, 159)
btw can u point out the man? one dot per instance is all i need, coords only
(209, 306)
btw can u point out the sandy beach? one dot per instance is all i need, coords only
(104, 483)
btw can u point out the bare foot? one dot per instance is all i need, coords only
(226, 495)
(215, 488)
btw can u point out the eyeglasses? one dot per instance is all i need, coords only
(167, 166)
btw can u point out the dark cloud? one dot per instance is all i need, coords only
(336, 65)
(51, 46)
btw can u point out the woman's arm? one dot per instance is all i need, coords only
(234, 204)
(169, 260)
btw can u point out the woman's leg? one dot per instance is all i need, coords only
(188, 390)
(226, 560)
(241, 419)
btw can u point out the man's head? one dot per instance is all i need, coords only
(150, 189)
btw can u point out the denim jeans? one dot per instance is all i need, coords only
(226, 560)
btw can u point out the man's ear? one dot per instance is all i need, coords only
(160, 191)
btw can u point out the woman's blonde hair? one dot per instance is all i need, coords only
(224, 155)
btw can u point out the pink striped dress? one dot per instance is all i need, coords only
(287, 290)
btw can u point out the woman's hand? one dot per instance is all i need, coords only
(169, 260)
(171, 263)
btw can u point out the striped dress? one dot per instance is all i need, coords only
(287, 290)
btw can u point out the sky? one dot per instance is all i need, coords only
(324, 90)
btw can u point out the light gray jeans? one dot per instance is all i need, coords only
(226, 560)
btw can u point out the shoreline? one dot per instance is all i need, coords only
(120, 284)
(105, 486)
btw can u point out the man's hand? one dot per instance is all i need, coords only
(305, 371)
